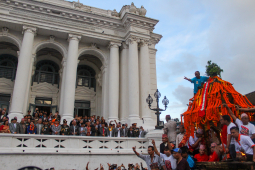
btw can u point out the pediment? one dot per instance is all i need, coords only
(6, 83)
(45, 87)
(84, 90)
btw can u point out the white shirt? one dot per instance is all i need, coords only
(229, 133)
(179, 138)
(193, 141)
(247, 130)
(170, 159)
(244, 143)
(119, 132)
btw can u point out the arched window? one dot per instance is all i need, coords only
(86, 76)
(46, 71)
(8, 66)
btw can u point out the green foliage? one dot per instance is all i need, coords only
(213, 69)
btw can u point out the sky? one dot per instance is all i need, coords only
(195, 32)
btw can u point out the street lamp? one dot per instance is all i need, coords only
(165, 102)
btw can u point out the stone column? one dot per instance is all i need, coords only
(124, 83)
(133, 81)
(114, 81)
(61, 100)
(70, 77)
(23, 73)
(104, 93)
(144, 66)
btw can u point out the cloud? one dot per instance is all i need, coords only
(183, 94)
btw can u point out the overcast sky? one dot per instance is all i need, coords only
(193, 33)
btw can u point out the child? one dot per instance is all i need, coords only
(188, 157)
(201, 156)
(214, 156)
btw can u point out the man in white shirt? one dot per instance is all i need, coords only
(230, 141)
(170, 161)
(245, 127)
(179, 137)
(243, 144)
(194, 143)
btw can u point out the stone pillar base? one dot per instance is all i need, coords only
(156, 135)
(67, 118)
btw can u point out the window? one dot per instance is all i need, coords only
(8, 66)
(86, 76)
(46, 71)
(43, 101)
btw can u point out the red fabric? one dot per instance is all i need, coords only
(1, 128)
(213, 157)
(201, 158)
(224, 134)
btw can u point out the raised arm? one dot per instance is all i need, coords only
(134, 149)
(155, 148)
(246, 109)
(230, 111)
(187, 79)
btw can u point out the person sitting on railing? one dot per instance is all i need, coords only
(31, 129)
(214, 156)
(201, 156)
(152, 160)
(5, 127)
(243, 144)
(56, 128)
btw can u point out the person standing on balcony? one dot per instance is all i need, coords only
(31, 129)
(152, 160)
(102, 130)
(39, 126)
(74, 128)
(170, 129)
(198, 81)
(13, 126)
(45, 128)
(56, 128)
(82, 130)
(22, 128)
(65, 129)
(123, 131)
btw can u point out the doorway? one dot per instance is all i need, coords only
(82, 108)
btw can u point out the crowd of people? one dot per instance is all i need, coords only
(182, 154)
(42, 124)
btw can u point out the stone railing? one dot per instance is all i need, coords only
(50, 144)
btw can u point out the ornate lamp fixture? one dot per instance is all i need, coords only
(165, 102)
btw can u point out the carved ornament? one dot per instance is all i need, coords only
(74, 37)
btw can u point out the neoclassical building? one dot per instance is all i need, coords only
(77, 59)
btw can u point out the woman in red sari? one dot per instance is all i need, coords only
(5, 127)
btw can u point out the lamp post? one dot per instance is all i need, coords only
(165, 102)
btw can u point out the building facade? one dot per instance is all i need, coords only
(77, 59)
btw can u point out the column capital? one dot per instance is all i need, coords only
(114, 45)
(63, 62)
(29, 29)
(144, 42)
(74, 37)
(124, 46)
(132, 40)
